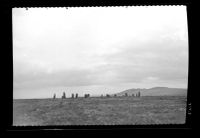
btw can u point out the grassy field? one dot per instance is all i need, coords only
(100, 111)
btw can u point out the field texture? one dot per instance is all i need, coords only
(100, 111)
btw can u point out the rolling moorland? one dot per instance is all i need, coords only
(156, 91)
(120, 110)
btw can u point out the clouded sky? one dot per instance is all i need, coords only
(98, 50)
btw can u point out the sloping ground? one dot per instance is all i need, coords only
(100, 111)
(156, 91)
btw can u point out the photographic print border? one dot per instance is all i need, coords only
(7, 10)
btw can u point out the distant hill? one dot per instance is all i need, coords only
(156, 91)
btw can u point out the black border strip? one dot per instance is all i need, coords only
(7, 12)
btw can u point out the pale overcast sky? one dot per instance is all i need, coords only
(98, 50)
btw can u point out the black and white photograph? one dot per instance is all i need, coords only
(122, 65)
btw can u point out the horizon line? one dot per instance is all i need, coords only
(97, 95)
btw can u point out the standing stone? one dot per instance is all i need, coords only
(87, 95)
(54, 96)
(72, 95)
(76, 95)
(64, 96)
(139, 94)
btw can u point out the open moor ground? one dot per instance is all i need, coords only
(100, 111)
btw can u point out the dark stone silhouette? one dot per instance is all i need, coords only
(72, 95)
(64, 96)
(126, 94)
(54, 96)
(87, 95)
(133, 95)
(107, 95)
(115, 95)
(76, 95)
(139, 94)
